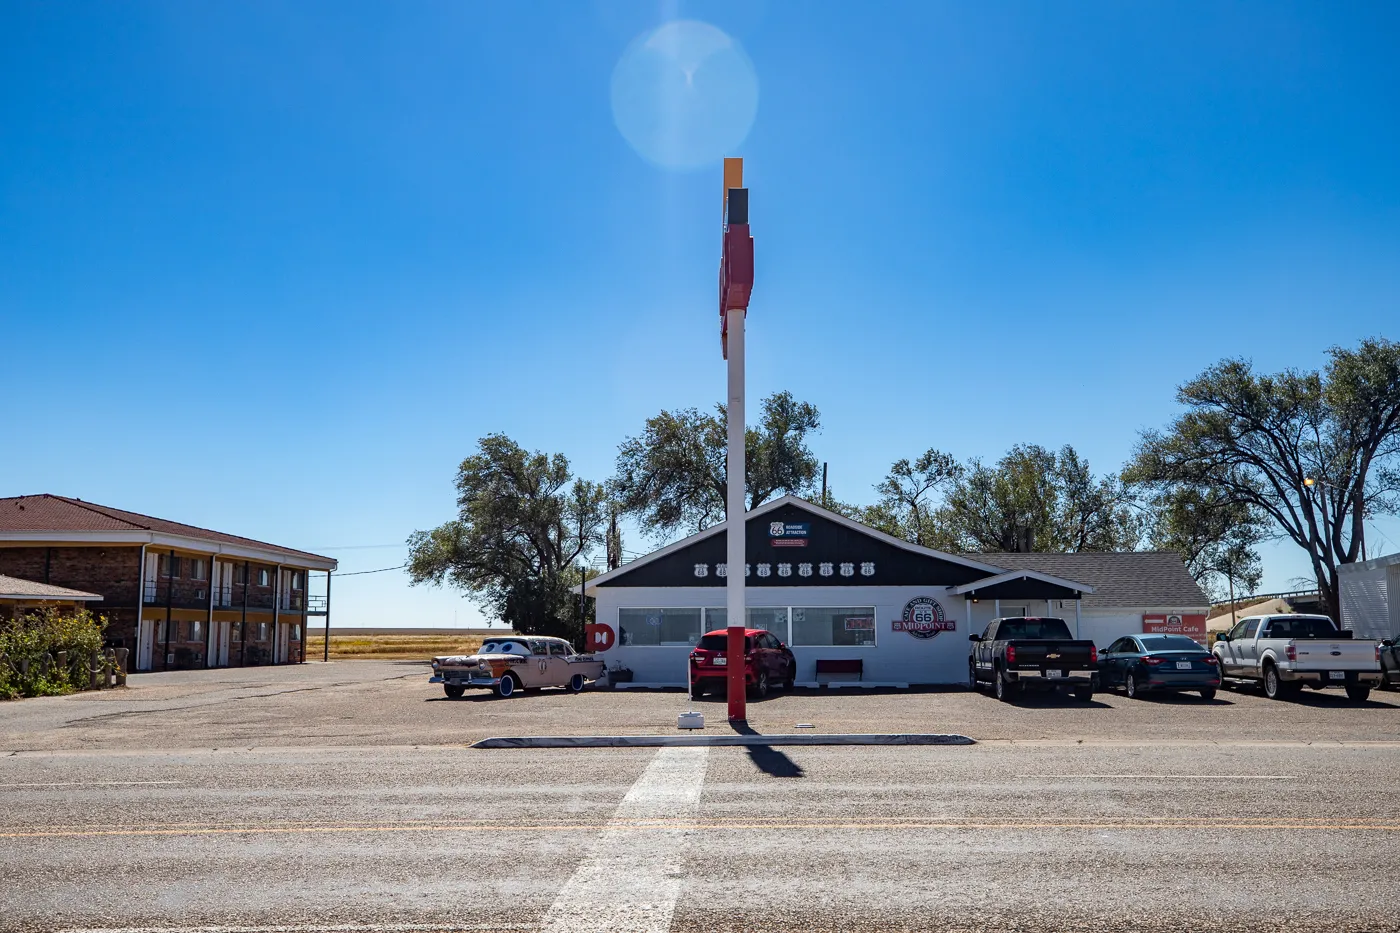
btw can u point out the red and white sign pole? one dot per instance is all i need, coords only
(735, 287)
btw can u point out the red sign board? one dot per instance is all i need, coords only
(598, 637)
(1190, 626)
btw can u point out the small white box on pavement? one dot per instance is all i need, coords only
(690, 721)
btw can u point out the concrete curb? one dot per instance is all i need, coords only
(671, 741)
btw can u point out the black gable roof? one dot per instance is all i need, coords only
(781, 554)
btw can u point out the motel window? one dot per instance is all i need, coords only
(197, 568)
(774, 619)
(823, 626)
(196, 631)
(296, 633)
(169, 566)
(658, 626)
(240, 574)
(262, 631)
(296, 580)
(263, 577)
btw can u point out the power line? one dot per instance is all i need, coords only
(359, 547)
(359, 573)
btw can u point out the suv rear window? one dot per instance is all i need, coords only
(721, 643)
(1032, 628)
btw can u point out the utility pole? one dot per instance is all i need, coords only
(736, 285)
(823, 484)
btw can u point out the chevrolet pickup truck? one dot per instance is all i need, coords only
(1284, 653)
(1015, 654)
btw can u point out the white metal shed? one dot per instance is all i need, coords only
(1370, 597)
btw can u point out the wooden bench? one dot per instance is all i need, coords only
(837, 670)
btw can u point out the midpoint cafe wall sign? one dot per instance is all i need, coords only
(923, 618)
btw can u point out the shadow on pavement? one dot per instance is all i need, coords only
(768, 759)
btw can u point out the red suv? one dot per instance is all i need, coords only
(766, 661)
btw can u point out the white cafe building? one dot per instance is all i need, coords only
(854, 603)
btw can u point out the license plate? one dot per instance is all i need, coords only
(719, 662)
(1053, 675)
(1183, 665)
(1337, 675)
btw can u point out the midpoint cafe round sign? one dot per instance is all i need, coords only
(923, 618)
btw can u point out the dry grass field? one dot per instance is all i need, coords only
(386, 644)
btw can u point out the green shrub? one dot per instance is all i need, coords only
(39, 637)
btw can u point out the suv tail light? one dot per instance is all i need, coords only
(1291, 652)
(1010, 654)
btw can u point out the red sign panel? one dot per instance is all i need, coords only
(598, 637)
(1190, 626)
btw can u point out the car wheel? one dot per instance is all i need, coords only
(576, 683)
(1273, 687)
(506, 688)
(791, 676)
(1130, 686)
(1358, 693)
(1208, 694)
(453, 691)
(1003, 689)
(972, 683)
(760, 685)
(1083, 694)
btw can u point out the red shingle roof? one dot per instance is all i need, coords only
(19, 514)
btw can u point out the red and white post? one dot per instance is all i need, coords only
(735, 287)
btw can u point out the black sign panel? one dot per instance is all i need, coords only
(791, 546)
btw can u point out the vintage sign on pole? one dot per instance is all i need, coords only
(735, 287)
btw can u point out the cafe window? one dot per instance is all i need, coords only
(658, 626)
(1013, 612)
(824, 626)
(774, 619)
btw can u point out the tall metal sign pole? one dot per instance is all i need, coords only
(735, 287)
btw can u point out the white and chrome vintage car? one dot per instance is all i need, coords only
(516, 662)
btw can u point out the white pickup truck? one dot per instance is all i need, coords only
(1284, 653)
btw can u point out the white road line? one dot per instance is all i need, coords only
(89, 784)
(632, 880)
(1170, 777)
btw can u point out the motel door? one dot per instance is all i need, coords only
(279, 655)
(218, 654)
(145, 644)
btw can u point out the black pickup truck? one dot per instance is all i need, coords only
(1019, 653)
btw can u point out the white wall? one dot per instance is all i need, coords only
(1365, 593)
(897, 657)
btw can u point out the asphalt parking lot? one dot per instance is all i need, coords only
(342, 797)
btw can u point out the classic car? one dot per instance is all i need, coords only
(516, 662)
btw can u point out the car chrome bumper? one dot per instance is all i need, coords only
(1369, 678)
(477, 680)
(1078, 678)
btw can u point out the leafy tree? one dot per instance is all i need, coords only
(673, 477)
(1259, 439)
(906, 507)
(523, 525)
(1034, 499)
(1214, 535)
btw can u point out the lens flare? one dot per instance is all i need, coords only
(684, 95)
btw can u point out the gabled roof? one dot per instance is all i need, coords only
(53, 518)
(1126, 579)
(1010, 575)
(964, 560)
(16, 588)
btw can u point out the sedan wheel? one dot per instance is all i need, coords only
(453, 691)
(506, 688)
(760, 686)
(1208, 694)
(791, 676)
(1130, 686)
(576, 683)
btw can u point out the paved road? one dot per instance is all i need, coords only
(126, 822)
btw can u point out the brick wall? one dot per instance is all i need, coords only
(111, 571)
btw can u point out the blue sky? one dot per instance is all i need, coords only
(274, 267)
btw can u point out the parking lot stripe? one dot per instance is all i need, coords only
(631, 881)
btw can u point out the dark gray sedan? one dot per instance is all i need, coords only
(1139, 663)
